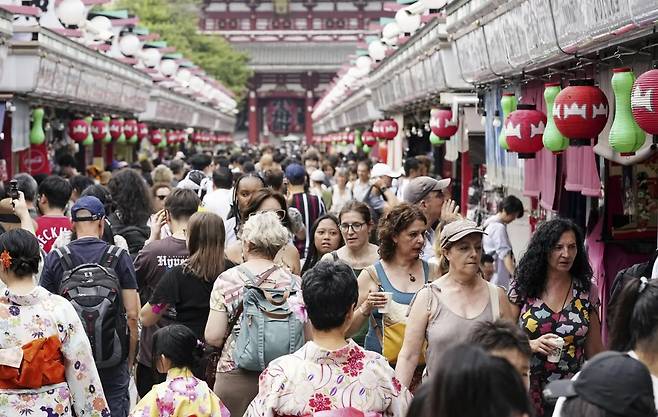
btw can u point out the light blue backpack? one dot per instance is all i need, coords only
(268, 328)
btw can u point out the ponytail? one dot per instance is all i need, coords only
(635, 315)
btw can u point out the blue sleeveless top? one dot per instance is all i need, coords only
(372, 342)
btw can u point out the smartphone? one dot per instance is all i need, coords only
(13, 190)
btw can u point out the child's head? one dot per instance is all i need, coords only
(175, 346)
(487, 265)
(505, 340)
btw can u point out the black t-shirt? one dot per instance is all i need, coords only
(188, 294)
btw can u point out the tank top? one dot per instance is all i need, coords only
(372, 342)
(360, 336)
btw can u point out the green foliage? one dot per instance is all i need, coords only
(177, 23)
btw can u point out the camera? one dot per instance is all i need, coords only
(13, 190)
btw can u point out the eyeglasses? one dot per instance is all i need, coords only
(356, 227)
(161, 197)
(281, 213)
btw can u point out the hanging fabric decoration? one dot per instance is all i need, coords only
(78, 130)
(441, 123)
(524, 129)
(553, 140)
(644, 102)
(37, 134)
(89, 140)
(508, 103)
(626, 137)
(580, 111)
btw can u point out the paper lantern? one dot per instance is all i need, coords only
(163, 142)
(441, 123)
(171, 137)
(377, 129)
(435, 140)
(99, 130)
(37, 134)
(151, 57)
(580, 111)
(407, 22)
(71, 12)
(168, 67)
(388, 129)
(116, 129)
(524, 130)
(358, 142)
(142, 131)
(366, 149)
(129, 44)
(78, 130)
(108, 135)
(369, 139)
(130, 130)
(377, 50)
(626, 137)
(156, 137)
(89, 140)
(644, 102)
(508, 104)
(553, 140)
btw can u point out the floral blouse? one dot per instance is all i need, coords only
(314, 379)
(41, 314)
(181, 395)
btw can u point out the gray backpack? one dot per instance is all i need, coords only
(268, 328)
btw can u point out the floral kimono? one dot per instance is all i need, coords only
(46, 365)
(313, 380)
(181, 395)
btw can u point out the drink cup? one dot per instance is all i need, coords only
(556, 354)
(389, 297)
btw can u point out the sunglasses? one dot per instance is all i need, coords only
(281, 214)
(161, 197)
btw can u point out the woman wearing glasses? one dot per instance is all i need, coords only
(160, 191)
(265, 200)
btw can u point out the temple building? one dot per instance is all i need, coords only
(296, 49)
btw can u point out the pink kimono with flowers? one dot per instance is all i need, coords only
(314, 379)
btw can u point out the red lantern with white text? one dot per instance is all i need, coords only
(389, 129)
(99, 130)
(78, 130)
(130, 128)
(441, 123)
(580, 112)
(116, 128)
(377, 129)
(156, 137)
(644, 102)
(369, 138)
(142, 131)
(524, 129)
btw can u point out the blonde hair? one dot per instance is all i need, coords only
(162, 173)
(265, 234)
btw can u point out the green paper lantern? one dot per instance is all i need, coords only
(366, 149)
(508, 103)
(108, 137)
(122, 138)
(357, 139)
(626, 137)
(37, 134)
(553, 140)
(90, 138)
(435, 140)
(163, 142)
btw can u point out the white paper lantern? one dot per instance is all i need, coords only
(151, 57)
(196, 84)
(71, 12)
(168, 67)
(101, 27)
(354, 73)
(129, 44)
(407, 22)
(183, 77)
(377, 50)
(391, 31)
(364, 63)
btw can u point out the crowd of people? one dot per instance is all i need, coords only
(274, 283)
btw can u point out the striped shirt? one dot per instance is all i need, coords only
(311, 207)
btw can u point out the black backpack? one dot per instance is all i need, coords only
(94, 291)
(135, 236)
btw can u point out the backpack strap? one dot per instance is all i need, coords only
(257, 280)
(334, 255)
(494, 300)
(110, 256)
(64, 255)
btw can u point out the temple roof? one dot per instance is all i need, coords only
(296, 56)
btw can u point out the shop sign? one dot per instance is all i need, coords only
(36, 160)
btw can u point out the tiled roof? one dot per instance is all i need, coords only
(297, 53)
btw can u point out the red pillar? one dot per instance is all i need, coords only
(308, 129)
(252, 108)
(109, 154)
(467, 177)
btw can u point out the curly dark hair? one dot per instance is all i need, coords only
(130, 195)
(532, 272)
(393, 223)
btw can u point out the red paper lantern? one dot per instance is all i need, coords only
(369, 138)
(156, 137)
(580, 111)
(78, 130)
(350, 137)
(644, 101)
(377, 129)
(441, 123)
(116, 128)
(171, 137)
(142, 131)
(98, 130)
(130, 128)
(524, 129)
(389, 129)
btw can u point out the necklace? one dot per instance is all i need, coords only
(412, 278)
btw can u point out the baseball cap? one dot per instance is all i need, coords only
(295, 172)
(419, 187)
(91, 204)
(458, 229)
(612, 381)
(317, 176)
(192, 181)
(379, 170)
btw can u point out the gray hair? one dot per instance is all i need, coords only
(342, 171)
(28, 185)
(265, 234)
